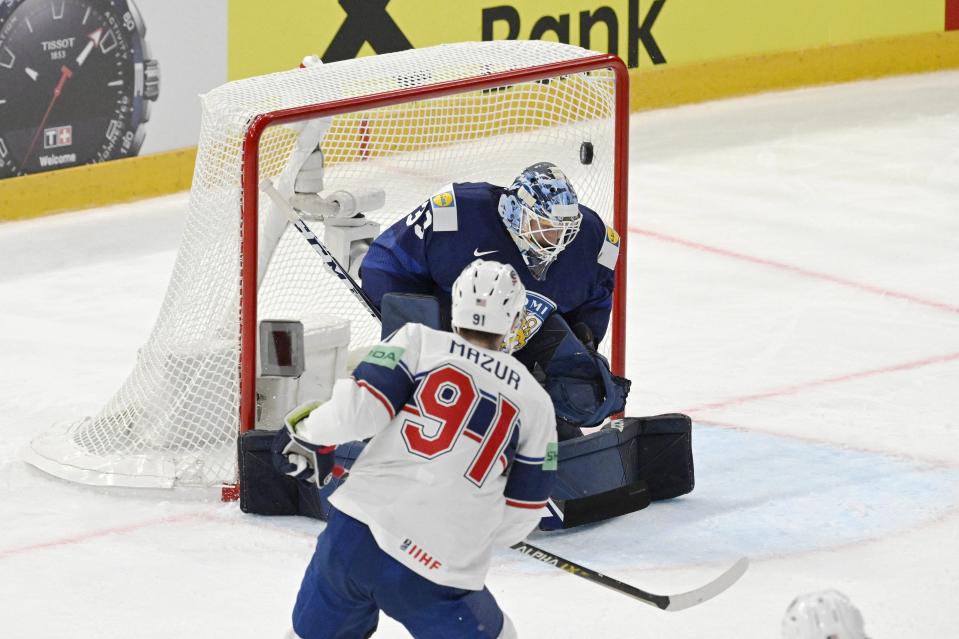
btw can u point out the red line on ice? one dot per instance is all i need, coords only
(797, 270)
(102, 532)
(795, 388)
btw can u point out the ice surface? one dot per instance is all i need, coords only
(793, 269)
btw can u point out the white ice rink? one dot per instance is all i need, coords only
(793, 285)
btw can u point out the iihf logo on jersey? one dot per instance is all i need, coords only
(420, 555)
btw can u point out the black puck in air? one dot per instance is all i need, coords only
(586, 153)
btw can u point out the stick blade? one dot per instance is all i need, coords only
(715, 587)
(612, 503)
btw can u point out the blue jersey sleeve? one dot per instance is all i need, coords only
(529, 484)
(397, 261)
(600, 245)
(595, 311)
(426, 251)
(531, 473)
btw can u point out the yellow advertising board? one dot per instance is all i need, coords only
(644, 33)
(684, 50)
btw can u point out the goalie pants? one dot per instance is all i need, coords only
(349, 580)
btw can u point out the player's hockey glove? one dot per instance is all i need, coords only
(297, 457)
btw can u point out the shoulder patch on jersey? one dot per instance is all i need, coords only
(383, 355)
(609, 252)
(612, 236)
(551, 459)
(443, 199)
(538, 308)
(444, 210)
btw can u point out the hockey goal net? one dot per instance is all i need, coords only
(407, 123)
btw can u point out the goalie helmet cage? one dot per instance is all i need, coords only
(409, 123)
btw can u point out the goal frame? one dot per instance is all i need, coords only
(249, 206)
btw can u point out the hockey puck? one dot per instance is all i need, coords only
(586, 153)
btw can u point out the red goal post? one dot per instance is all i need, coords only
(251, 178)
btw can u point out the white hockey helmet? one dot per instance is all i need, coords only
(489, 297)
(541, 212)
(823, 615)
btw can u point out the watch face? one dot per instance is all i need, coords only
(70, 83)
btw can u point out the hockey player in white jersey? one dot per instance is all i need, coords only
(464, 442)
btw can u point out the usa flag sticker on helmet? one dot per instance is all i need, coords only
(609, 253)
(444, 209)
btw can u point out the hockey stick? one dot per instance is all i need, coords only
(331, 262)
(664, 602)
(672, 603)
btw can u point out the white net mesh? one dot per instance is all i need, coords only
(175, 419)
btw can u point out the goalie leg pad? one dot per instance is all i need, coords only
(266, 491)
(657, 450)
(652, 451)
(263, 489)
(599, 476)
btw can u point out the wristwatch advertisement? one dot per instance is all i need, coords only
(76, 83)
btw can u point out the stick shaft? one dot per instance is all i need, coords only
(675, 602)
(331, 262)
(659, 601)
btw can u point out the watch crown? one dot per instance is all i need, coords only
(151, 79)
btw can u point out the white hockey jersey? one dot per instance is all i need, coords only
(461, 459)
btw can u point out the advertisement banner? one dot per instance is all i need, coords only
(644, 33)
(89, 81)
(85, 81)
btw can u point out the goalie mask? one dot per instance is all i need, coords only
(823, 615)
(488, 297)
(541, 212)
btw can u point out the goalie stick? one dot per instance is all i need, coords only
(331, 262)
(671, 603)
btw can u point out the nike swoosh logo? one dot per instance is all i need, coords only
(479, 253)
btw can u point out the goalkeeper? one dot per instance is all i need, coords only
(565, 256)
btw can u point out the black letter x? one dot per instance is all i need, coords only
(366, 21)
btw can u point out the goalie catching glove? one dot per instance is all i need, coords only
(297, 457)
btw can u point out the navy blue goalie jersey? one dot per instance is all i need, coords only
(425, 252)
